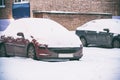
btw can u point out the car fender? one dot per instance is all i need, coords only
(1, 42)
(116, 36)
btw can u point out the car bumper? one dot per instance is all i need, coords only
(62, 53)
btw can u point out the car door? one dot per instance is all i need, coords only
(91, 37)
(9, 44)
(20, 45)
(15, 46)
(103, 38)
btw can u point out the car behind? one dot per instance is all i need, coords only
(101, 32)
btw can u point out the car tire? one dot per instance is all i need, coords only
(31, 52)
(2, 50)
(74, 59)
(84, 41)
(116, 43)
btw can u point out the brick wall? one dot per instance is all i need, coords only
(6, 13)
(70, 20)
(106, 6)
(102, 6)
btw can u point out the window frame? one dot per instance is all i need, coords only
(3, 4)
(20, 2)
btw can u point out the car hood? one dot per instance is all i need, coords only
(60, 41)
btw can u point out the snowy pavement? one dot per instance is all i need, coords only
(96, 64)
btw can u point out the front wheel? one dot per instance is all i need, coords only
(84, 41)
(116, 43)
(31, 52)
(2, 50)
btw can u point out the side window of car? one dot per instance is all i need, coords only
(103, 32)
(91, 32)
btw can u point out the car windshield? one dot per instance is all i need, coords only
(37, 27)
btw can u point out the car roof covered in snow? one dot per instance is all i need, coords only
(99, 24)
(35, 26)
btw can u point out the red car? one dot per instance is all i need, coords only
(39, 39)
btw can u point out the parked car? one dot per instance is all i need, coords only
(101, 32)
(39, 39)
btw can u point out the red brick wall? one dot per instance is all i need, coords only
(102, 6)
(107, 6)
(6, 13)
(71, 21)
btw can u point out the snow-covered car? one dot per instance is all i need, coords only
(39, 38)
(100, 32)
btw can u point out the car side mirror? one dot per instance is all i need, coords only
(107, 30)
(20, 34)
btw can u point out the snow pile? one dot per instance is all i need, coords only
(98, 25)
(96, 64)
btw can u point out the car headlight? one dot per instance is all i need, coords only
(42, 46)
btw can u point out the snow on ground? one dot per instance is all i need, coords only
(96, 64)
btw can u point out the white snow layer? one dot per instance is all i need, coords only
(96, 64)
(98, 25)
(45, 31)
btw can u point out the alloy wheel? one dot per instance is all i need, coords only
(31, 51)
(116, 44)
(84, 42)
